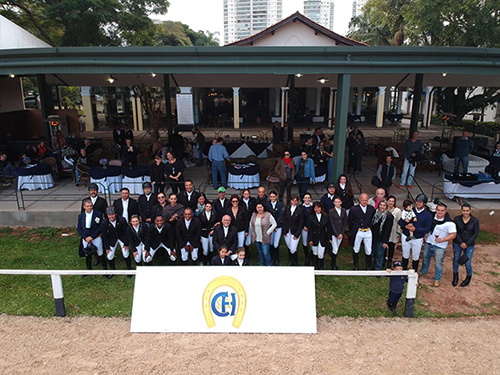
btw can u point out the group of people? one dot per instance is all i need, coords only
(188, 226)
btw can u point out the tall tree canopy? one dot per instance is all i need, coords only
(466, 23)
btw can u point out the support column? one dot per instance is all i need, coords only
(400, 101)
(87, 108)
(236, 107)
(387, 101)
(291, 117)
(427, 111)
(168, 104)
(57, 290)
(277, 98)
(417, 97)
(196, 105)
(380, 106)
(45, 103)
(318, 101)
(351, 100)
(341, 112)
(284, 105)
(359, 103)
(331, 108)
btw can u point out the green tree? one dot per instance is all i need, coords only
(363, 30)
(85, 22)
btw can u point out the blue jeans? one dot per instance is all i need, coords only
(303, 185)
(219, 167)
(9, 170)
(200, 157)
(379, 254)
(457, 253)
(465, 163)
(408, 170)
(438, 253)
(264, 256)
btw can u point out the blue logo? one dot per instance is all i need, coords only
(222, 304)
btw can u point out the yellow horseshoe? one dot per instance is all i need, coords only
(238, 288)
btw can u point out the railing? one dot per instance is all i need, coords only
(57, 287)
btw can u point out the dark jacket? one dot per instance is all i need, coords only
(111, 234)
(277, 212)
(422, 225)
(337, 223)
(208, 225)
(249, 209)
(306, 211)
(157, 173)
(216, 261)
(397, 283)
(347, 201)
(276, 135)
(295, 222)
(231, 240)
(466, 232)
(245, 262)
(157, 210)
(119, 138)
(318, 230)
(358, 219)
(94, 231)
(240, 222)
(155, 238)
(133, 208)
(146, 206)
(263, 200)
(100, 204)
(382, 234)
(463, 147)
(182, 198)
(136, 238)
(185, 235)
(218, 207)
(327, 203)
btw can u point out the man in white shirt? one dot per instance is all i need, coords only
(443, 230)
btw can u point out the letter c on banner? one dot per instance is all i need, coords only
(232, 283)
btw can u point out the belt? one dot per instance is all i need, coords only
(364, 229)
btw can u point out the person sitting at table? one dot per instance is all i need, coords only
(29, 152)
(126, 206)
(6, 168)
(146, 202)
(82, 160)
(58, 140)
(89, 229)
(225, 234)
(129, 154)
(114, 233)
(88, 146)
(188, 234)
(222, 203)
(174, 170)
(188, 197)
(42, 151)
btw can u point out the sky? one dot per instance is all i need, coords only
(208, 14)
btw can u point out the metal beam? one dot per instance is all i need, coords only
(341, 113)
(417, 97)
(168, 108)
(46, 102)
(291, 106)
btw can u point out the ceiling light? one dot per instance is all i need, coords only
(322, 79)
(12, 75)
(153, 75)
(445, 74)
(111, 79)
(298, 75)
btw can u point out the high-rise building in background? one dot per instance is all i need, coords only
(243, 18)
(320, 11)
(357, 7)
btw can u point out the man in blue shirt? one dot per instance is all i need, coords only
(463, 147)
(217, 155)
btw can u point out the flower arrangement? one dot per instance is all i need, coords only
(104, 163)
(427, 154)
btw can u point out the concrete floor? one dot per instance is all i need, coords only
(44, 207)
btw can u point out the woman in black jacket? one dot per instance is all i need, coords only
(174, 169)
(239, 221)
(307, 206)
(381, 231)
(157, 174)
(293, 222)
(136, 232)
(276, 208)
(463, 244)
(318, 234)
(344, 190)
(209, 219)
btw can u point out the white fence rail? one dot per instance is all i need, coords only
(57, 288)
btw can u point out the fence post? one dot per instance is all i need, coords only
(411, 293)
(57, 288)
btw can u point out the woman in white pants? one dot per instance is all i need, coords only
(209, 219)
(307, 207)
(136, 233)
(338, 222)
(318, 235)
(293, 222)
(276, 208)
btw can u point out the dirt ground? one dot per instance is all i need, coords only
(343, 346)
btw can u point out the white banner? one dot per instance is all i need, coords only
(185, 109)
(224, 299)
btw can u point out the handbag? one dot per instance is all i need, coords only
(463, 259)
(376, 182)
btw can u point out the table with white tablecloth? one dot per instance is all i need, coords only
(471, 189)
(243, 176)
(38, 176)
(134, 177)
(109, 178)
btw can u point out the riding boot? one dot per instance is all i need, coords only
(415, 265)
(104, 261)
(128, 262)
(321, 264)
(307, 255)
(247, 252)
(455, 279)
(88, 262)
(466, 281)
(271, 253)
(355, 260)
(295, 259)
(368, 262)
(314, 261)
(393, 309)
(405, 263)
(111, 266)
(276, 256)
(290, 261)
(334, 262)
(97, 260)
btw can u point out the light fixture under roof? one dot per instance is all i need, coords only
(12, 75)
(298, 75)
(153, 75)
(445, 74)
(111, 79)
(322, 79)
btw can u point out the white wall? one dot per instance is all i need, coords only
(294, 34)
(13, 36)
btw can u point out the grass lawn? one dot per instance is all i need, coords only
(45, 248)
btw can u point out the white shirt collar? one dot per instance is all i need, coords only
(363, 208)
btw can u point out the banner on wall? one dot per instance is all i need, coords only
(185, 109)
(224, 299)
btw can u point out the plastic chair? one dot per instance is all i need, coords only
(84, 174)
(52, 162)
